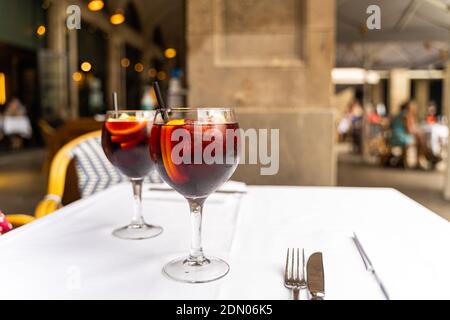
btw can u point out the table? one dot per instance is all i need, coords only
(71, 254)
(436, 135)
(19, 125)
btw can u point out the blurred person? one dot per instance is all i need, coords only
(372, 115)
(381, 109)
(376, 134)
(15, 108)
(436, 132)
(345, 124)
(406, 132)
(431, 117)
(357, 114)
(374, 120)
(16, 124)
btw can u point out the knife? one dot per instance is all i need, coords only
(315, 276)
(369, 266)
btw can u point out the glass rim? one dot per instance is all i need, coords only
(127, 111)
(190, 109)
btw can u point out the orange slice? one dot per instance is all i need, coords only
(138, 126)
(175, 172)
(131, 143)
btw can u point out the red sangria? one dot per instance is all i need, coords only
(195, 173)
(195, 150)
(125, 141)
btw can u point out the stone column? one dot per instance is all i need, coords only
(73, 67)
(272, 62)
(446, 92)
(56, 26)
(422, 96)
(377, 91)
(58, 45)
(399, 89)
(446, 112)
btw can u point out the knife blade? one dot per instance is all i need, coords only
(315, 276)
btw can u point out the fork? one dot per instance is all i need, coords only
(293, 279)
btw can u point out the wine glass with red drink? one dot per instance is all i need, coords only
(195, 150)
(125, 141)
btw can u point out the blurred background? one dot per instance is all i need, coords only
(355, 106)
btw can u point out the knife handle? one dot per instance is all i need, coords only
(296, 293)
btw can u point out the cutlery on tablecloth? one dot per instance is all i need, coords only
(294, 276)
(369, 266)
(315, 276)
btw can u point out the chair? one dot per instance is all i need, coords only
(94, 171)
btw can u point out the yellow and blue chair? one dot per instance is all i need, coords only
(94, 172)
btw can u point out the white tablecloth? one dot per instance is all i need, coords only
(71, 253)
(436, 135)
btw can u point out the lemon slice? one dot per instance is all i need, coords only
(176, 122)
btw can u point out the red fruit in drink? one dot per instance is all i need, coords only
(124, 128)
(175, 172)
(193, 179)
(125, 143)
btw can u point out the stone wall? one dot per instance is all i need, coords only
(272, 61)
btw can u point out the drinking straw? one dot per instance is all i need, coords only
(115, 105)
(161, 103)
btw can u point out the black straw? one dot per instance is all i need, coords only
(161, 103)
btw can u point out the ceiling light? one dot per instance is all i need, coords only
(86, 66)
(96, 5)
(117, 18)
(40, 31)
(170, 53)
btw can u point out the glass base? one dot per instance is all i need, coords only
(191, 271)
(137, 232)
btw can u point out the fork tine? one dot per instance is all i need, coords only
(292, 265)
(286, 275)
(298, 264)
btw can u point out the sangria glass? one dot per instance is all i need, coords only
(125, 141)
(195, 151)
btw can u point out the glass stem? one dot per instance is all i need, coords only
(137, 219)
(196, 254)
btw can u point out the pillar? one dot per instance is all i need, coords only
(422, 96)
(399, 89)
(446, 92)
(377, 91)
(446, 109)
(275, 75)
(73, 67)
(56, 26)
(58, 45)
